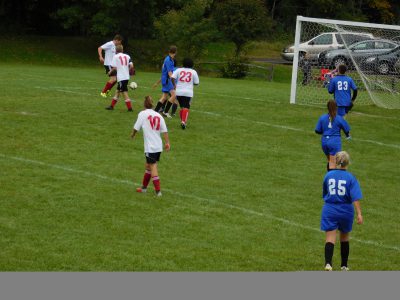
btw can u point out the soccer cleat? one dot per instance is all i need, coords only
(328, 267)
(110, 108)
(344, 268)
(158, 194)
(104, 95)
(130, 109)
(141, 190)
(167, 115)
(183, 125)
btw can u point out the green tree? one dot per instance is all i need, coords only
(242, 20)
(188, 28)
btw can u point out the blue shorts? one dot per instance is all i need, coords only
(166, 88)
(342, 110)
(331, 144)
(337, 216)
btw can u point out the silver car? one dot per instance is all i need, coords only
(325, 41)
(358, 52)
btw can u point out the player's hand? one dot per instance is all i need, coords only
(154, 85)
(348, 137)
(167, 147)
(359, 219)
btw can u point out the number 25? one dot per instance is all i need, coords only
(341, 188)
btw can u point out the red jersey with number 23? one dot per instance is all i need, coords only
(153, 124)
(185, 78)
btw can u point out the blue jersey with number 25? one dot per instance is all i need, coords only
(340, 187)
(341, 87)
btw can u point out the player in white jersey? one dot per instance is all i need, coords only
(121, 64)
(152, 124)
(185, 78)
(109, 52)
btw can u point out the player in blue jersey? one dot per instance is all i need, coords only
(168, 86)
(329, 126)
(341, 191)
(341, 86)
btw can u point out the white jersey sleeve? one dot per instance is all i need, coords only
(139, 122)
(196, 79)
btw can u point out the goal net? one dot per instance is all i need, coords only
(370, 51)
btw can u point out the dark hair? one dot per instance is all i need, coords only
(173, 49)
(332, 109)
(187, 63)
(342, 69)
(118, 37)
(148, 102)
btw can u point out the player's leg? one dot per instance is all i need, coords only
(170, 102)
(341, 111)
(161, 102)
(331, 162)
(109, 84)
(152, 159)
(114, 99)
(330, 239)
(124, 89)
(146, 179)
(184, 113)
(344, 250)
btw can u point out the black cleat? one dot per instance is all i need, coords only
(130, 109)
(183, 125)
(110, 108)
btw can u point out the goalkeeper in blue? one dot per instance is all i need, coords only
(341, 194)
(341, 86)
(329, 126)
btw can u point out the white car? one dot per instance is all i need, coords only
(325, 41)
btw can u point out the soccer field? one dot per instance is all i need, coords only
(241, 185)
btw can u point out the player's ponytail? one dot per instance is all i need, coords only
(332, 109)
(148, 102)
(342, 159)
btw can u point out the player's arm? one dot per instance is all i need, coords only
(156, 83)
(100, 52)
(357, 207)
(196, 80)
(318, 128)
(166, 140)
(355, 92)
(331, 87)
(133, 133)
(113, 71)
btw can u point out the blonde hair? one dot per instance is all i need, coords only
(119, 48)
(342, 159)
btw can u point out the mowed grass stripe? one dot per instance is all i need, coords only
(210, 201)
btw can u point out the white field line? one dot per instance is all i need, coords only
(212, 201)
(245, 120)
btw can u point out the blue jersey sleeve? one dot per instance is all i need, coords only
(345, 125)
(331, 87)
(169, 64)
(355, 190)
(318, 128)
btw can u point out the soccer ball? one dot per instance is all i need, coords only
(133, 85)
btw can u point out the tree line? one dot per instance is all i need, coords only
(193, 22)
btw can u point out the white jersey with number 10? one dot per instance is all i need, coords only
(184, 79)
(153, 124)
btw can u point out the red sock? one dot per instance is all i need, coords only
(128, 104)
(107, 87)
(156, 182)
(185, 115)
(180, 115)
(113, 102)
(146, 178)
(112, 84)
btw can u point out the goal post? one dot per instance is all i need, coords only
(371, 52)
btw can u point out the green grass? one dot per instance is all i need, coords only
(241, 186)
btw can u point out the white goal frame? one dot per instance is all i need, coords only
(299, 21)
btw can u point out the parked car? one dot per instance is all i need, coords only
(359, 51)
(382, 63)
(325, 41)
